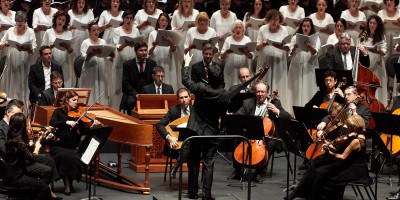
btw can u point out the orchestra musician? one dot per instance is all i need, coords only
(355, 108)
(257, 106)
(210, 105)
(328, 175)
(17, 154)
(338, 57)
(69, 134)
(42, 166)
(330, 80)
(157, 86)
(181, 110)
(48, 96)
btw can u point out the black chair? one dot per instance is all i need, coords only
(322, 61)
(366, 184)
(170, 155)
(78, 65)
(390, 61)
(10, 192)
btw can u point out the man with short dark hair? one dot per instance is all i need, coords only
(200, 70)
(48, 96)
(158, 87)
(137, 73)
(39, 74)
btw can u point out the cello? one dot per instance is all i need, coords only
(258, 147)
(366, 83)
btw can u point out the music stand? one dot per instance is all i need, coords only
(309, 116)
(94, 140)
(250, 127)
(388, 124)
(340, 74)
(83, 95)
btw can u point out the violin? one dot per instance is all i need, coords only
(80, 114)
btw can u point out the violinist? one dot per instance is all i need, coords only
(330, 80)
(33, 165)
(352, 106)
(69, 134)
(274, 110)
(344, 161)
(342, 56)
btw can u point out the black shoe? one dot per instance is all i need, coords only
(193, 196)
(67, 193)
(256, 178)
(235, 176)
(207, 198)
(394, 197)
(56, 198)
(173, 171)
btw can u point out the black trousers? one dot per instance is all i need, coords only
(44, 169)
(207, 147)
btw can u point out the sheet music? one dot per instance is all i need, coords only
(326, 47)
(90, 151)
(370, 3)
(176, 37)
(152, 20)
(200, 42)
(291, 22)
(14, 44)
(106, 50)
(285, 40)
(6, 24)
(78, 24)
(251, 46)
(374, 45)
(358, 24)
(58, 41)
(183, 125)
(392, 24)
(46, 25)
(256, 23)
(125, 38)
(115, 23)
(327, 27)
(185, 25)
(301, 39)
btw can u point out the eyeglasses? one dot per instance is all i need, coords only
(329, 80)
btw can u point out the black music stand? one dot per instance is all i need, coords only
(94, 140)
(340, 74)
(309, 116)
(388, 124)
(250, 127)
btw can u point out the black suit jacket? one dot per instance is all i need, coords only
(198, 72)
(334, 58)
(131, 75)
(151, 89)
(36, 80)
(47, 98)
(361, 110)
(3, 133)
(249, 108)
(210, 104)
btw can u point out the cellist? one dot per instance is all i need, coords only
(330, 80)
(273, 109)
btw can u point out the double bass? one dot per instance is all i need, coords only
(366, 83)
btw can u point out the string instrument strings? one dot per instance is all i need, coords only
(82, 113)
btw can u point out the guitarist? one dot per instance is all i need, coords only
(181, 110)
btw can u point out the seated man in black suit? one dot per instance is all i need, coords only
(264, 106)
(200, 70)
(342, 56)
(137, 73)
(158, 87)
(48, 96)
(175, 112)
(44, 166)
(39, 74)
